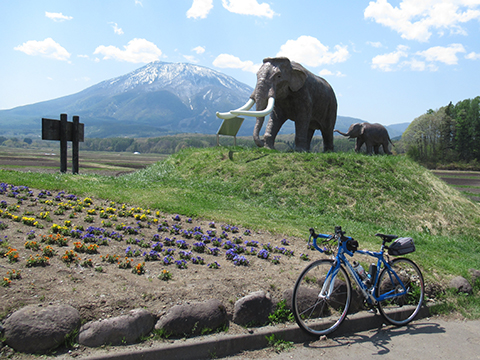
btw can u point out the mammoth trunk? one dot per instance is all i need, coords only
(263, 103)
(342, 133)
(256, 131)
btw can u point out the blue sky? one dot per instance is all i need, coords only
(388, 61)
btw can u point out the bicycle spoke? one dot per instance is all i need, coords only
(320, 314)
(405, 293)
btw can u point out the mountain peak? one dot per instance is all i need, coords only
(182, 79)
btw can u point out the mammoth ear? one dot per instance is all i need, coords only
(299, 75)
(362, 129)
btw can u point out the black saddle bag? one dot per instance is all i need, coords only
(401, 246)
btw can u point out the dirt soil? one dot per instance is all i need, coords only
(41, 262)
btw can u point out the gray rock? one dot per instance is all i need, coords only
(475, 275)
(193, 319)
(36, 329)
(461, 285)
(253, 309)
(119, 330)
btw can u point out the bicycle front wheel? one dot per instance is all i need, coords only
(401, 309)
(320, 312)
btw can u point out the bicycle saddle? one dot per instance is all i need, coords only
(387, 238)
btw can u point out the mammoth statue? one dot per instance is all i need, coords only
(286, 90)
(373, 135)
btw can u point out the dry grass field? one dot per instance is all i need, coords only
(467, 182)
(47, 159)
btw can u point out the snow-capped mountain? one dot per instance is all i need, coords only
(184, 80)
(156, 99)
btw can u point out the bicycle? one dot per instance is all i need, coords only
(322, 294)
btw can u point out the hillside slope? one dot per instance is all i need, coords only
(291, 188)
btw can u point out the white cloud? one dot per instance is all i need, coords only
(415, 19)
(311, 52)
(326, 72)
(417, 65)
(472, 56)
(229, 61)
(386, 62)
(191, 58)
(116, 29)
(138, 2)
(136, 51)
(248, 7)
(375, 44)
(446, 55)
(200, 9)
(199, 50)
(419, 61)
(57, 16)
(47, 48)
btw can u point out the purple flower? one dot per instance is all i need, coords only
(158, 246)
(181, 264)
(230, 254)
(167, 260)
(199, 247)
(240, 260)
(198, 260)
(182, 244)
(263, 254)
(185, 254)
(214, 265)
(169, 251)
(214, 251)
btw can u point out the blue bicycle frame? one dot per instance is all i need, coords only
(368, 292)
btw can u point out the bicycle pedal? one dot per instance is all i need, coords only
(372, 310)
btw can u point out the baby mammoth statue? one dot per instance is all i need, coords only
(373, 135)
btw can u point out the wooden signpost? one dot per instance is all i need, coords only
(64, 131)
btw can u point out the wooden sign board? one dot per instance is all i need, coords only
(51, 130)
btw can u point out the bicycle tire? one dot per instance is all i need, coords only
(402, 309)
(320, 316)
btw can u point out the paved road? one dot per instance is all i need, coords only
(423, 339)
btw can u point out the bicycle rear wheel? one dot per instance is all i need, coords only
(402, 309)
(314, 313)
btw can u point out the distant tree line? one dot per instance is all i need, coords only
(174, 143)
(450, 134)
(15, 142)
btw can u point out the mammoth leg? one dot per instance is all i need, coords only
(327, 141)
(369, 148)
(310, 137)
(302, 136)
(376, 149)
(385, 148)
(358, 144)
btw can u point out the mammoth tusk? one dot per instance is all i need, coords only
(230, 115)
(261, 113)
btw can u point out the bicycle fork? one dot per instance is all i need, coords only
(328, 284)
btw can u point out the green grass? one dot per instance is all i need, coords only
(287, 193)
